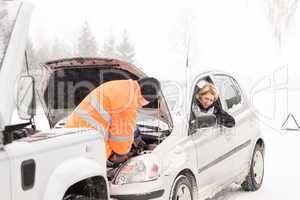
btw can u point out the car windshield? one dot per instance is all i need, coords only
(8, 14)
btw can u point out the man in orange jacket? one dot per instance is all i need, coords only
(112, 109)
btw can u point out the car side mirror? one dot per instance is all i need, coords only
(227, 121)
(204, 121)
(26, 97)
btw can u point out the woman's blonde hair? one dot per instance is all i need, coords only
(208, 88)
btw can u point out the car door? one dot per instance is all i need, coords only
(237, 138)
(210, 146)
(4, 174)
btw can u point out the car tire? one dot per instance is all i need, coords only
(75, 197)
(182, 189)
(254, 180)
(80, 197)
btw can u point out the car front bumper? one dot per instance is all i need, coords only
(138, 191)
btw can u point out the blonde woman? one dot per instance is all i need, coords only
(206, 97)
(206, 103)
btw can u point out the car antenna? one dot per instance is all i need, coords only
(187, 65)
(32, 121)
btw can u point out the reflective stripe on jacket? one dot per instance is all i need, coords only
(111, 109)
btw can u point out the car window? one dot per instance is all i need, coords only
(196, 112)
(230, 92)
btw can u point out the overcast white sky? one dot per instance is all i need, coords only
(235, 36)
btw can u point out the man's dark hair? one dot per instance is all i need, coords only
(150, 88)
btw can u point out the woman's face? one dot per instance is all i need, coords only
(206, 100)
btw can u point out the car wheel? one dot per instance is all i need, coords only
(182, 189)
(74, 197)
(79, 197)
(255, 177)
(88, 189)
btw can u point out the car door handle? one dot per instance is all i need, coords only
(28, 173)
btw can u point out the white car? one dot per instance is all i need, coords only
(56, 164)
(183, 158)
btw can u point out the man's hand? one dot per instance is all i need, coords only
(118, 159)
(138, 140)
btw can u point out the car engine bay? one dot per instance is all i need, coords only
(146, 139)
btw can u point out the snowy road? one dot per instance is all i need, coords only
(282, 169)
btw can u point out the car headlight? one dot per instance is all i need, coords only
(139, 169)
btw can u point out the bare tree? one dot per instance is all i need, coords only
(280, 13)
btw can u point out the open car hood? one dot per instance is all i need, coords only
(14, 21)
(67, 81)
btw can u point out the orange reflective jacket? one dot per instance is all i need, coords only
(111, 109)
